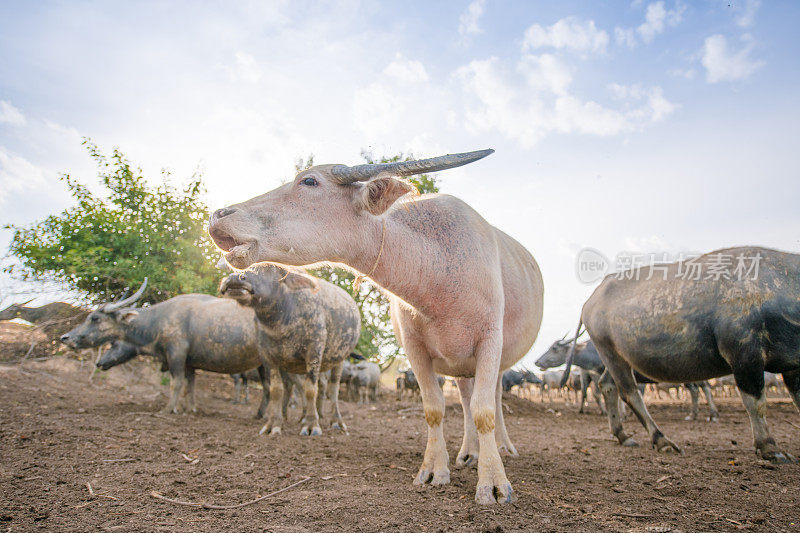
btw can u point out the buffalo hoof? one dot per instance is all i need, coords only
(441, 477)
(314, 432)
(629, 443)
(464, 461)
(274, 431)
(663, 444)
(341, 427)
(508, 450)
(486, 495)
(713, 418)
(690, 417)
(778, 458)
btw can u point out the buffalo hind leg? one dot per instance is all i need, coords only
(191, 406)
(695, 394)
(792, 382)
(504, 443)
(713, 413)
(237, 387)
(336, 376)
(750, 381)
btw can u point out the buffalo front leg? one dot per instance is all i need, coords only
(434, 468)
(468, 454)
(177, 382)
(336, 376)
(493, 485)
(611, 397)
(622, 374)
(504, 443)
(274, 410)
(310, 423)
(263, 377)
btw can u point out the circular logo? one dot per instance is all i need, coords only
(591, 265)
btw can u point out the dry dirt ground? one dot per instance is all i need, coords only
(60, 434)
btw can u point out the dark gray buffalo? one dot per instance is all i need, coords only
(735, 311)
(188, 332)
(588, 360)
(516, 378)
(308, 325)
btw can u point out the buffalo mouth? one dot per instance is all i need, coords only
(228, 243)
(238, 289)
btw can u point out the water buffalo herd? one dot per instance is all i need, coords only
(465, 301)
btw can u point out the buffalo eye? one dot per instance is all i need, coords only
(311, 182)
(95, 318)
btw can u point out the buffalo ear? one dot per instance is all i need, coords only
(126, 316)
(297, 282)
(377, 195)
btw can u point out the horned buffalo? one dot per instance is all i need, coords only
(588, 360)
(189, 332)
(466, 299)
(310, 326)
(515, 378)
(695, 320)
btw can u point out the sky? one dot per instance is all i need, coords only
(627, 127)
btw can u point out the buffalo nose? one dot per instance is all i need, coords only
(222, 213)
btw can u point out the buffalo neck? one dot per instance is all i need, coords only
(406, 259)
(141, 330)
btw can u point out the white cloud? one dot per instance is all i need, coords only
(10, 114)
(650, 104)
(656, 19)
(724, 64)
(538, 102)
(244, 68)
(468, 22)
(746, 15)
(567, 33)
(406, 70)
(545, 73)
(625, 36)
(18, 174)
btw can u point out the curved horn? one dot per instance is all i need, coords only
(345, 174)
(127, 301)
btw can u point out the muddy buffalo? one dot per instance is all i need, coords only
(695, 320)
(188, 332)
(309, 326)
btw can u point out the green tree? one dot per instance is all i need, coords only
(103, 245)
(377, 340)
